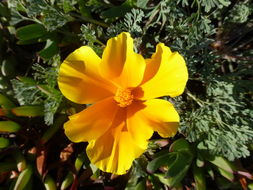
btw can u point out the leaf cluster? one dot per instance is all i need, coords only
(214, 37)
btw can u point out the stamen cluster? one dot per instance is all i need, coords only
(124, 97)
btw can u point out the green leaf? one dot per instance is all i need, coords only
(4, 10)
(250, 186)
(156, 181)
(27, 42)
(226, 174)
(26, 91)
(6, 102)
(199, 178)
(210, 171)
(225, 125)
(84, 10)
(168, 181)
(175, 181)
(9, 126)
(141, 185)
(20, 160)
(23, 178)
(51, 17)
(90, 37)
(67, 181)
(182, 160)
(3, 84)
(177, 163)
(180, 145)
(28, 111)
(137, 173)
(118, 11)
(225, 167)
(29, 91)
(200, 162)
(132, 22)
(222, 163)
(8, 67)
(54, 19)
(50, 107)
(68, 6)
(160, 161)
(4, 142)
(27, 80)
(31, 32)
(142, 4)
(225, 2)
(81, 158)
(163, 179)
(16, 17)
(49, 50)
(50, 183)
(53, 129)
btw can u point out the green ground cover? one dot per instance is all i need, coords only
(213, 149)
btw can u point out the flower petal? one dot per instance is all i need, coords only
(79, 79)
(137, 124)
(92, 122)
(165, 75)
(115, 151)
(120, 63)
(158, 115)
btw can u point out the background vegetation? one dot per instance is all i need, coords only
(214, 147)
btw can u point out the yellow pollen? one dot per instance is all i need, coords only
(123, 97)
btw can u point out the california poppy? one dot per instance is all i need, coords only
(123, 89)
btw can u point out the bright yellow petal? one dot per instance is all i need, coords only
(120, 63)
(92, 122)
(79, 79)
(114, 151)
(137, 124)
(158, 115)
(165, 75)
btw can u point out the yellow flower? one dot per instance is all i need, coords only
(123, 87)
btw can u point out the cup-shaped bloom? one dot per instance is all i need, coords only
(123, 89)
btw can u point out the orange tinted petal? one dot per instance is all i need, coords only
(79, 79)
(92, 122)
(158, 115)
(120, 63)
(137, 124)
(114, 151)
(165, 75)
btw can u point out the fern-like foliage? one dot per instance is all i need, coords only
(131, 23)
(222, 124)
(41, 90)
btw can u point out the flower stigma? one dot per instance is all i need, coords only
(124, 97)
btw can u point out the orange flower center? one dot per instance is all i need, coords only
(124, 97)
